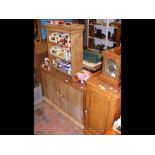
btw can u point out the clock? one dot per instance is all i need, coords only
(111, 70)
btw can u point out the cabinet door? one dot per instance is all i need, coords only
(78, 105)
(51, 88)
(71, 101)
(63, 96)
(96, 111)
(56, 89)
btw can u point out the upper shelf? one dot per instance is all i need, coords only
(104, 24)
(59, 57)
(104, 39)
(64, 28)
(55, 44)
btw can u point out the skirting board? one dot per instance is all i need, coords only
(39, 101)
(64, 113)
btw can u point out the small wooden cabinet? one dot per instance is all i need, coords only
(102, 107)
(61, 92)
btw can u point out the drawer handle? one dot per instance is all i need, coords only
(86, 111)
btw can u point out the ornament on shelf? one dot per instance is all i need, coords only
(61, 51)
(46, 64)
(56, 21)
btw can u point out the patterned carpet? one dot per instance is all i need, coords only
(47, 121)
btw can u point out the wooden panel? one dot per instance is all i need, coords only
(63, 94)
(118, 35)
(77, 52)
(112, 114)
(57, 92)
(78, 109)
(98, 112)
(71, 100)
(44, 84)
(39, 59)
(40, 46)
(64, 28)
(63, 100)
(47, 85)
(50, 88)
(39, 29)
(118, 112)
(85, 34)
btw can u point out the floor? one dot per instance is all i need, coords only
(47, 121)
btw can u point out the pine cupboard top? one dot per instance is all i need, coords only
(64, 28)
(66, 79)
(98, 84)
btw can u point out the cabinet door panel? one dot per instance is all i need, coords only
(72, 101)
(70, 96)
(50, 87)
(56, 92)
(98, 111)
(78, 106)
(63, 103)
(53, 90)
(63, 100)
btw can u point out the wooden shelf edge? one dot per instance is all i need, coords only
(60, 58)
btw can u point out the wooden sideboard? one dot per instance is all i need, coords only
(102, 107)
(64, 93)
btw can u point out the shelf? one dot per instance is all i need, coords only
(93, 69)
(57, 44)
(91, 65)
(104, 25)
(112, 41)
(94, 50)
(61, 71)
(97, 38)
(59, 58)
(112, 27)
(101, 39)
